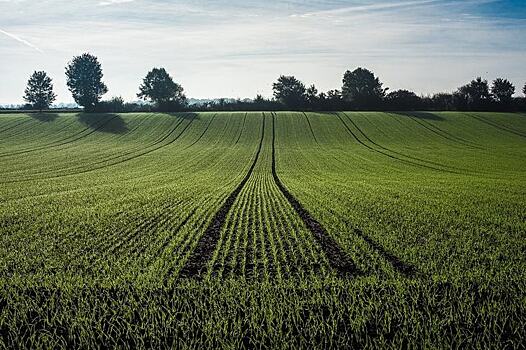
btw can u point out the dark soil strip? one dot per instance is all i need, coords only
(387, 154)
(116, 157)
(442, 133)
(49, 144)
(7, 128)
(338, 260)
(68, 140)
(500, 127)
(310, 127)
(390, 150)
(196, 263)
(203, 133)
(403, 268)
(242, 128)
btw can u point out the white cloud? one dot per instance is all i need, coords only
(113, 2)
(220, 48)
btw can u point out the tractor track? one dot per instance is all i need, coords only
(115, 163)
(497, 126)
(310, 127)
(444, 134)
(338, 259)
(197, 261)
(63, 142)
(413, 159)
(390, 155)
(242, 128)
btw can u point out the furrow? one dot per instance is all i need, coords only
(69, 140)
(497, 126)
(337, 257)
(197, 261)
(387, 154)
(242, 128)
(393, 151)
(91, 169)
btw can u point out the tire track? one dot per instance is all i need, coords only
(115, 163)
(65, 126)
(242, 128)
(202, 134)
(402, 267)
(197, 261)
(497, 126)
(390, 155)
(338, 259)
(310, 127)
(393, 151)
(14, 126)
(98, 127)
(444, 134)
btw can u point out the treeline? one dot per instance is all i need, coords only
(360, 90)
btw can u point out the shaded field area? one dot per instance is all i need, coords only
(233, 230)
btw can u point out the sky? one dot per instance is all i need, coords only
(238, 48)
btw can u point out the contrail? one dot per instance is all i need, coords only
(20, 40)
(370, 7)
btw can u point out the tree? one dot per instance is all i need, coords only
(502, 90)
(524, 90)
(442, 101)
(39, 91)
(474, 95)
(311, 95)
(362, 89)
(114, 105)
(159, 88)
(402, 100)
(84, 79)
(290, 91)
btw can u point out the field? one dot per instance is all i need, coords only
(257, 230)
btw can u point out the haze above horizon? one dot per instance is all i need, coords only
(239, 48)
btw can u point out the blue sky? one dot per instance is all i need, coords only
(238, 48)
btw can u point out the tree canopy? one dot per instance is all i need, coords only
(402, 100)
(159, 88)
(502, 90)
(290, 91)
(362, 89)
(474, 95)
(39, 92)
(84, 79)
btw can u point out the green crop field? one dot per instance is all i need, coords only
(263, 230)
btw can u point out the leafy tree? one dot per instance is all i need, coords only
(290, 91)
(312, 95)
(114, 105)
(524, 90)
(362, 89)
(502, 90)
(474, 95)
(39, 91)
(84, 79)
(402, 100)
(259, 99)
(443, 101)
(159, 88)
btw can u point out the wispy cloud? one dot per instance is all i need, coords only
(238, 47)
(364, 8)
(113, 2)
(20, 40)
